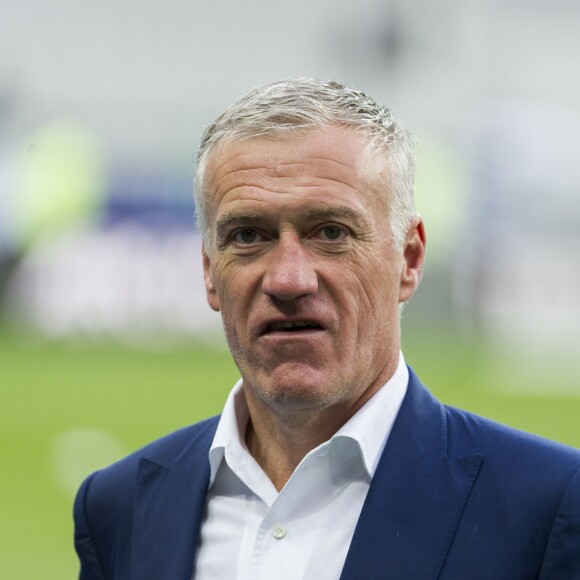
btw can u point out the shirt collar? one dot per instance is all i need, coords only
(369, 427)
(231, 429)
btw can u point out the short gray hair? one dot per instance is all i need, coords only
(304, 104)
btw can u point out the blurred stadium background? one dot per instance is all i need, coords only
(105, 337)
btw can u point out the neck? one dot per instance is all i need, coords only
(279, 446)
(279, 439)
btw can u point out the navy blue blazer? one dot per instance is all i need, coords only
(454, 496)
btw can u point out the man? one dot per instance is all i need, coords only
(330, 460)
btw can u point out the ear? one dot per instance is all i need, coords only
(210, 291)
(413, 259)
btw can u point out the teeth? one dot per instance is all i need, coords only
(290, 325)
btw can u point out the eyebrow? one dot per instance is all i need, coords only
(336, 213)
(232, 220)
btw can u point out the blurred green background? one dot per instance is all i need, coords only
(68, 409)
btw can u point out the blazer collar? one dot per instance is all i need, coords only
(168, 510)
(416, 497)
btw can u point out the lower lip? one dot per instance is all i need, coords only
(281, 335)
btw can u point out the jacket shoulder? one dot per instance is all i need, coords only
(464, 428)
(115, 484)
(524, 505)
(103, 509)
(538, 464)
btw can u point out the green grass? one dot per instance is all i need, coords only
(129, 397)
(49, 389)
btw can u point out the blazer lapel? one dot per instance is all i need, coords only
(416, 497)
(168, 511)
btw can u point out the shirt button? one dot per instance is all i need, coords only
(278, 532)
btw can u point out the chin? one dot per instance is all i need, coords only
(297, 390)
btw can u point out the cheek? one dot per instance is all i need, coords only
(224, 280)
(370, 306)
(372, 287)
(232, 326)
(235, 290)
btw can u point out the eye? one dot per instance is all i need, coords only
(246, 236)
(332, 233)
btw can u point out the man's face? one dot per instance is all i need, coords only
(303, 267)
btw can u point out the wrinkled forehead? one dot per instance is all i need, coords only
(341, 151)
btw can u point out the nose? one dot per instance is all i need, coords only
(290, 273)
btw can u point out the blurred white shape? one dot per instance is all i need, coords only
(125, 283)
(76, 453)
(519, 274)
(531, 294)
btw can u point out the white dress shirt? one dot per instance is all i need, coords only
(253, 532)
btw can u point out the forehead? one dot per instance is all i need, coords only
(315, 167)
(331, 148)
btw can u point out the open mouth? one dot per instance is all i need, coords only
(295, 326)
